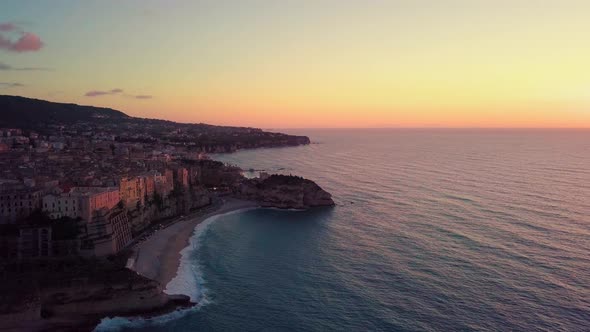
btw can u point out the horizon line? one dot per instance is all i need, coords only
(419, 128)
(312, 128)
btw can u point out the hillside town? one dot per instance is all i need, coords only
(87, 190)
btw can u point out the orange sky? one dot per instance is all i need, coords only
(283, 64)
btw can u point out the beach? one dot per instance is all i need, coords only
(158, 257)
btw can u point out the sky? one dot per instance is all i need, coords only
(307, 63)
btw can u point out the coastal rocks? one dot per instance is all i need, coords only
(131, 294)
(285, 192)
(69, 303)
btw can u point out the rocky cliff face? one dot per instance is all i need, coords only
(77, 302)
(123, 292)
(284, 191)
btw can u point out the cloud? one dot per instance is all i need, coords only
(11, 85)
(7, 26)
(4, 66)
(25, 41)
(99, 93)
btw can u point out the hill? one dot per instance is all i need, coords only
(18, 111)
(45, 118)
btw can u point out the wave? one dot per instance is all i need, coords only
(114, 324)
(189, 277)
(188, 281)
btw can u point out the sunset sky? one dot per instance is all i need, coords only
(316, 63)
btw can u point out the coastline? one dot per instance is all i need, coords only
(158, 257)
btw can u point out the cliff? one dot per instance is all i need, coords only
(76, 299)
(284, 191)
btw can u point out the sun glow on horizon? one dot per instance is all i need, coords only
(308, 64)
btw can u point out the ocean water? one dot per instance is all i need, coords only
(434, 230)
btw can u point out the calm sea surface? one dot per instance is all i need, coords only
(434, 230)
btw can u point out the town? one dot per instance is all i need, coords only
(87, 187)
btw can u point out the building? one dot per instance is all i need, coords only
(96, 198)
(61, 205)
(17, 202)
(34, 242)
(163, 187)
(9, 244)
(109, 233)
(132, 191)
(181, 177)
(80, 202)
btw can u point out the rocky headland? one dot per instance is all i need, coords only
(284, 191)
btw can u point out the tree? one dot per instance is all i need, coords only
(66, 228)
(158, 200)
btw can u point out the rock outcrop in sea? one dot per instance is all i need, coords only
(285, 192)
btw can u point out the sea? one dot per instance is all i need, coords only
(433, 230)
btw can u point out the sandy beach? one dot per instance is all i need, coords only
(158, 257)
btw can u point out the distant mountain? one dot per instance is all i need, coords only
(18, 111)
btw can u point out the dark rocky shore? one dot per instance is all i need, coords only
(285, 192)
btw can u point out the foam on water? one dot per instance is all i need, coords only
(188, 281)
(189, 278)
(123, 323)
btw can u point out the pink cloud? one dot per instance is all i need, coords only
(7, 26)
(25, 42)
(143, 97)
